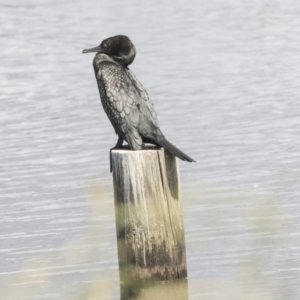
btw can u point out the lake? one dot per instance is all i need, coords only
(224, 79)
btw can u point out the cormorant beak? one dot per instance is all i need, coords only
(95, 49)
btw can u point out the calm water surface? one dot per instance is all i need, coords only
(224, 77)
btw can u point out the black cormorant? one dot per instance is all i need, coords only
(124, 99)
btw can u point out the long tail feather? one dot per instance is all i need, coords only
(174, 150)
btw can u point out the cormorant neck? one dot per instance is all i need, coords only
(101, 57)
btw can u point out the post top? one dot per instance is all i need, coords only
(151, 148)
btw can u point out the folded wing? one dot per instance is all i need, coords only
(127, 105)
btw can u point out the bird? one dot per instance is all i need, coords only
(125, 100)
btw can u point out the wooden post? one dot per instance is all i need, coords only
(149, 221)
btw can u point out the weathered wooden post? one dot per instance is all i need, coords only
(149, 221)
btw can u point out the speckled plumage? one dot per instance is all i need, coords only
(124, 99)
(126, 104)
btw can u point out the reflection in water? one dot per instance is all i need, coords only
(133, 288)
(174, 290)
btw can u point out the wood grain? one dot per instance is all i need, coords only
(149, 219)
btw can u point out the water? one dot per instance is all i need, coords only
(224, 78)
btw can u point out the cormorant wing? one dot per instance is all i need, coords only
(127, 105)
(144, 95)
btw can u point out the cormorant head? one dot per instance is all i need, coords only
(118, 47)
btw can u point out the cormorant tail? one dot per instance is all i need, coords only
(174, 150)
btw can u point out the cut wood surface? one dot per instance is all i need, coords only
(148, 214)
